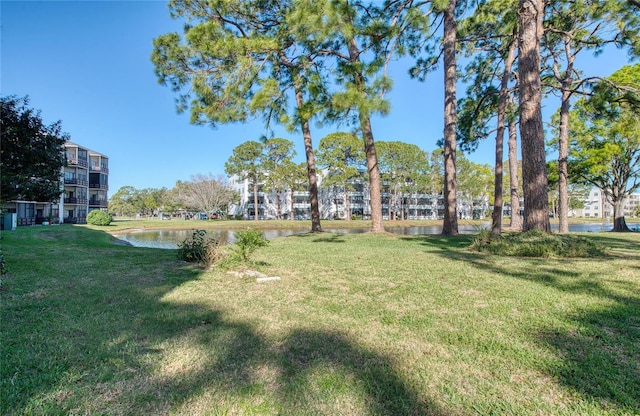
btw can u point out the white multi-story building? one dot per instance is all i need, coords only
(596, 205)
(332, 203)
(86, 182)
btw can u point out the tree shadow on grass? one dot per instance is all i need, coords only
(117, 342)
(304, 372)
(321, 237)
(600, 359)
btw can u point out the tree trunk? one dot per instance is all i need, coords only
(311, 166)
(450, 224)
(369, 145)
(514, 181)
(278, 205)
(496, 217)
(255, 199)
(347, 203)
(293, 208)
(563, 154)
(395, 202)
(534, 169)
(619, 223)
(374, 175)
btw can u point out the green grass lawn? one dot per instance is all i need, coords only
(358, 325)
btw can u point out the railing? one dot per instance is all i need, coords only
(73, 200)
(75, 220)
(103, 203)
(99, 169)
(99, 186)
(26, 222)
(74, 181)
(77, 162)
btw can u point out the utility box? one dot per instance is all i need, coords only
(10, 221)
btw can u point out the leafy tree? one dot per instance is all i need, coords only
(605, 150)
(277, 154)
(492, 30)
(577, 192)
(207, 193)
(32, 153)
(449, 11)
(246, 163)
(571, 28)
(474, 182)
(238, 60)
(122, 202)
(354, 35)
(293, 177)
(404, 167)
(343, 157)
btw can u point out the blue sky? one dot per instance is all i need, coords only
(87, 63)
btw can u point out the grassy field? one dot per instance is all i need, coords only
(357, 325)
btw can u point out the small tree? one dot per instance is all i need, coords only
(246, 164)
(342, 154)
(207, 193)
(248, 241)
(277, 154)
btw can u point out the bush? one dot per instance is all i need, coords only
(536, 243)
(200, 248)
(247, 242)
(3, 265)
(97, 217)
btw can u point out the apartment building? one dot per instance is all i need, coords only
(84, 186)
(332, 203)
(596, 205)
(86, 182)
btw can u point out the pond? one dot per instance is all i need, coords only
(169, 239)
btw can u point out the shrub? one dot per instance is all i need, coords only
(200, 248)
(536, 243)
(248, 241)
(97, 217)
(3, 265)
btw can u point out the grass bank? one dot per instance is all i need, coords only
(358, 324)
(127, 224)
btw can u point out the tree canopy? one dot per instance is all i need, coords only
(606, 145)
(32, 154)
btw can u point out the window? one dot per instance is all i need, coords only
(26, 210)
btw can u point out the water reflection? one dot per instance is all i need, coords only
(169, 239)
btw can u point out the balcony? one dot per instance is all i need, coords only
(100, 169)
(98, 203)
(99, 186)
(73, 200)
(77, 162)
(75, 181)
